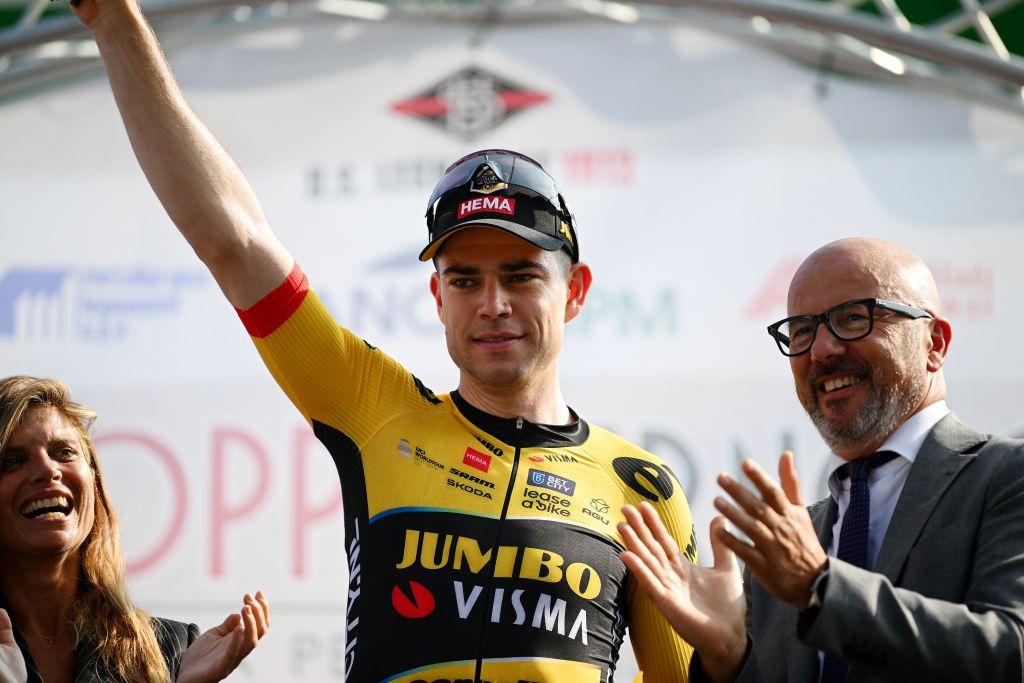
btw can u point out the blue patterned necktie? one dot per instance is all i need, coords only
(853, 535)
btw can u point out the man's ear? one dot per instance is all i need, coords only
(435, 291)
(939, 336)
(580, 278)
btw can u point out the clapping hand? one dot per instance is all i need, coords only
(217, 653)
(783, 551)
(705, 605)
(12, 663)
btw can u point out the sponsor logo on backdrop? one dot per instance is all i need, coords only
(89, 304)
(967, 290)
(770, 297)
(470, 102)
(327, 180)
(473, 458)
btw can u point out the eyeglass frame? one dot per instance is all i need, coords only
(912, 312)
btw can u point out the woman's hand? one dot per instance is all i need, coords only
(216, 653)
(12, 663)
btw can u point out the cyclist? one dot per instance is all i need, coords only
(480, 524)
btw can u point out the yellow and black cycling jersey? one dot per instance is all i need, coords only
(479, 548)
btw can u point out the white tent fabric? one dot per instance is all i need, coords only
(701, 171)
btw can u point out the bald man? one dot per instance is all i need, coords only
(913, 567)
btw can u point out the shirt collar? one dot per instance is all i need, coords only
(906, 440)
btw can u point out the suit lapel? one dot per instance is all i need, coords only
(940, 459)
(823, 516)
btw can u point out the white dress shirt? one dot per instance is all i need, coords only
(886, 481)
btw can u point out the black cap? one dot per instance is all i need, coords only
(501, 189)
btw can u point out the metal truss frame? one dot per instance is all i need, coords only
(868, 38)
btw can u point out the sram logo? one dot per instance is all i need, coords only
(471, 478)
(432, 551)
(505, 205)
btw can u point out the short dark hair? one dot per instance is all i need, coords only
(562, 257)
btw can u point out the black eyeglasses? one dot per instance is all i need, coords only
(848, 321)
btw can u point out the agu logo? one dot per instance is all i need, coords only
(480, 461)
(418, 604)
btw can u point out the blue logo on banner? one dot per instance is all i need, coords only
(98, 305)
(550, 481)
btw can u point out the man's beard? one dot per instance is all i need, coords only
(889, 403)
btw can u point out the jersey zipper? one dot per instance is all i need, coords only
(489, 590)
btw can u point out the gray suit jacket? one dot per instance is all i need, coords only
(946, 598)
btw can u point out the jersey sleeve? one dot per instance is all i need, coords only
(663, 657)
(328, 373)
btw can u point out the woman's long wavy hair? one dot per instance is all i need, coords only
(102, 613)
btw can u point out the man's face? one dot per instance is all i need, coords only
(857, 393)
(503, 303)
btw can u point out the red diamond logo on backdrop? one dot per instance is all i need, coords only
(470, 102)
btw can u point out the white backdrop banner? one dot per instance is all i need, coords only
(701, 171)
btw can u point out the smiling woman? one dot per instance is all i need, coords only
(65, 614)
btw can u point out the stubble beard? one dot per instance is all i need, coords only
(889, 403)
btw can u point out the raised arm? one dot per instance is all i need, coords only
(203, 190)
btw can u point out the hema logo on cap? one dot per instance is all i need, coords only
(505, 205)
